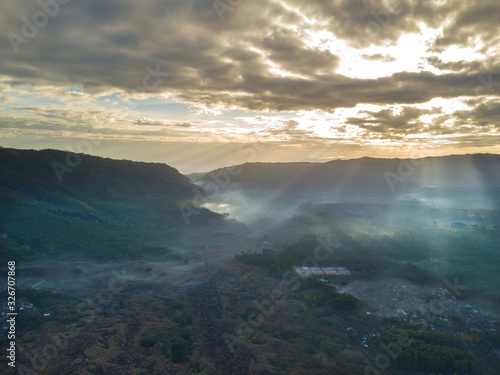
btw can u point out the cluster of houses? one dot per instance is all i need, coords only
(21, 306)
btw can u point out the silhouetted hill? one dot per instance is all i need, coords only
(34, 173)
(50, 201)
(365, 177)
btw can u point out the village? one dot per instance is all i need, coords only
(22, 305)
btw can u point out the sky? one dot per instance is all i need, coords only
(200, 84)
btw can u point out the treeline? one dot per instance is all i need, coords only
(37, 232)
(88, 242)
(431, 352)
(325, 295)
(276, 262)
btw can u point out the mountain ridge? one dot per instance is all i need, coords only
(434, 177)
(108, 205)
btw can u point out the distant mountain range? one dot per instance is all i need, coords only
(55, 202)
(365, 177)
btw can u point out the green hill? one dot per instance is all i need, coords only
(55, 204)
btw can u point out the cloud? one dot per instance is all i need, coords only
(165, 123)
(378, 57)
(289, 129)
(455, 66)
(472, 23)
(290, 53)
(484, 114)
(264, 58)
(183, 49)
(386, 120)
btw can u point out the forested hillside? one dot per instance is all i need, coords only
(57, 203)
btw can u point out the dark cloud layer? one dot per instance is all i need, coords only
(385, 120)
(378, 57)
(255, 55)
(185, 48)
